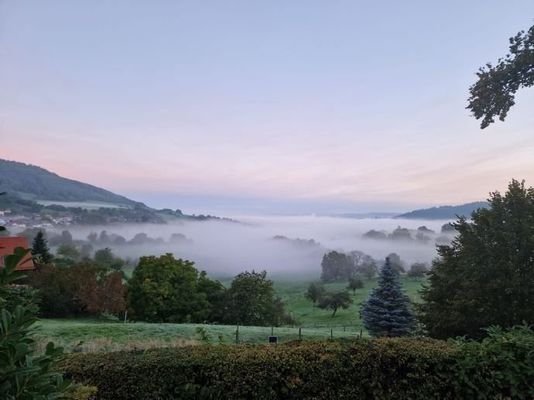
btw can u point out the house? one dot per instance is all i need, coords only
(8, 244)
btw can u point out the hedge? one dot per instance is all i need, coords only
(362, 369)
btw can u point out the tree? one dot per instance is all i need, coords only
(396, 262)
(165, 289)
(215, 294)
(106, 259)
(485, 276)
(493, 94)
(81, 289)
(66, 255)
(315, 292)
(364, 265)
(40, 251)
(387, 311)
(354, 283)
(335, 301)
(401, 234)
(336, 267)
(418, 270)
(252, 300)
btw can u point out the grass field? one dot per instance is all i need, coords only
(314, 323)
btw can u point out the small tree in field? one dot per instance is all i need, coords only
(387, 311)
(315, 292)
(354, 284)
(335, 301)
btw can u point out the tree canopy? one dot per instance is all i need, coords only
(493, 94)
(252, 301)
(486, 276)
(165, 289)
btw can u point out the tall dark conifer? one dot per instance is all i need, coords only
(40, 251)
(387, 311)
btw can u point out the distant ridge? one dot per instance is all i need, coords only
(445, 212)
(35, 183)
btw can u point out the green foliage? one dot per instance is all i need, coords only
(251, 300)
(493, 94)
(315, 292)
(165, 289)
(387, 311)
(40, 251)
(106, 259)
(499, 367)
(335, 301)
(486, 276)
(23, 374)
(503, 363)
(67, 255)
(393, 368)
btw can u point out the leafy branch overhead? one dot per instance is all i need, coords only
(493, 94)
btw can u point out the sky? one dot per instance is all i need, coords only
(295, 106)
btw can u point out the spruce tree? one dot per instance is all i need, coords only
(387, 311)
(40, 251)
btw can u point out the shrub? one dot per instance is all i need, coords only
(363, 369)
(500, 367)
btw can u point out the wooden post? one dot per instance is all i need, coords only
(237, 335)
(300, 333)
(331, 333)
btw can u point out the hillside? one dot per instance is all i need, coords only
(35, 183)
(445, 212)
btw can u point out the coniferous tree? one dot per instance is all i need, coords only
(40, 251)
(387, 311)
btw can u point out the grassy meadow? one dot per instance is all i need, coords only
(314, 323)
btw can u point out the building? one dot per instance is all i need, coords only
(8, 244)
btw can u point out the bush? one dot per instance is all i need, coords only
(501, 366)
(363, 369)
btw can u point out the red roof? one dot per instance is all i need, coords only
(8, 244)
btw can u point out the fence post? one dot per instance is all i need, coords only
(237, 335)
(331, 333)
(300, 333)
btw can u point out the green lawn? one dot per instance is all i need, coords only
(98, 335)
(309, 316)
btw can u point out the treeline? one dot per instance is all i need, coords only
(337, 266)
(161, 289)
(422, 235)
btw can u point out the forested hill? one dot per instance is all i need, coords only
(35, 183)
(445, 212)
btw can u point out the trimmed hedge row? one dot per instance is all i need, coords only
(362, 369)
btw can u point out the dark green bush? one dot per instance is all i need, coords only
(499, 367)
(393, 368)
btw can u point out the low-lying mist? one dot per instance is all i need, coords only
(225, 248)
